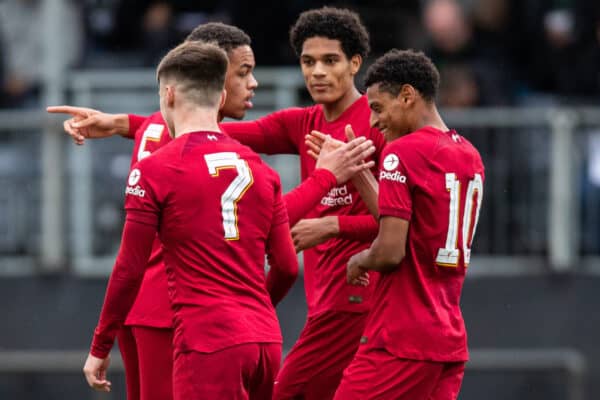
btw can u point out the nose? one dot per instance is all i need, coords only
(318, 70)
(252, 82)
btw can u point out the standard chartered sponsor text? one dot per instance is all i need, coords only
(338, 196)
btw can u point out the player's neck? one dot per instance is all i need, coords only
(431, 117)
(195, 119)
(332, 111)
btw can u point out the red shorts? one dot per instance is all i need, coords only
(246, 371)
(313, 368)
(148, 359)
(377, 374)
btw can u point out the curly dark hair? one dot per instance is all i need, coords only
(398, 67)
(227, 37)
(332, 23)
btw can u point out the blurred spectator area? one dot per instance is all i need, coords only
(532, 54)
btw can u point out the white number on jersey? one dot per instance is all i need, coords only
(448, 256)
(151, 134)
(234, 192)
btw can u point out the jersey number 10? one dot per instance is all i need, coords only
(448, 256)
(234, 192)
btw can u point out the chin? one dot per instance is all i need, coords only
(234, 114)
(322, 98)
(239, 115)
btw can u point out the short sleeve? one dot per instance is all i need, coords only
(395, 194)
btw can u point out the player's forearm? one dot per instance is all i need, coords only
(362, 228)
(127, 127)
(304, 197)
(123, 285)
(377, 261)
(383, 256)
(368, 188)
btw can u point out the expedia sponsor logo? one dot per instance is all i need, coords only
(135, 191)
(390, 162)
(392, 176)
(134, 177)
(337, 196)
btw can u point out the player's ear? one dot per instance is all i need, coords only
(170, 95)
(355, 63)
(223, 98)
(407, 95)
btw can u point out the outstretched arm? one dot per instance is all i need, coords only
(272, 134)
(87, 123)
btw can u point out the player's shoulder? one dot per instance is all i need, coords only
(426, 140)
(258, 163)
(154, 121)
(161, 155)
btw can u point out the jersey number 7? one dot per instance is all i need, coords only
(234, 192)
(448, 256)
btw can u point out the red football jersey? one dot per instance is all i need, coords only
(433, 179)
(151, 307)
(283, 132)
(214, 203)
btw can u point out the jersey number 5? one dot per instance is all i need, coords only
(151, 134)
(234, 192)
(448, 256)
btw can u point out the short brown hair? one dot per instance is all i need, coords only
(198, 69)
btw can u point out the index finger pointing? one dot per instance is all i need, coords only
(76, 111)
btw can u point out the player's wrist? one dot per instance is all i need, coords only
(333, 226)
(121, 125)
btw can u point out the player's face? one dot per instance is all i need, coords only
(239, 83)
(328, 73)
(388, 113)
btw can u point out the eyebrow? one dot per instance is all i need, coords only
(322, 56)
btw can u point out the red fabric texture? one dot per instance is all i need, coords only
(313, 368)
(243, 372)
(155, 356)
(324, 265)
(376, 374)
